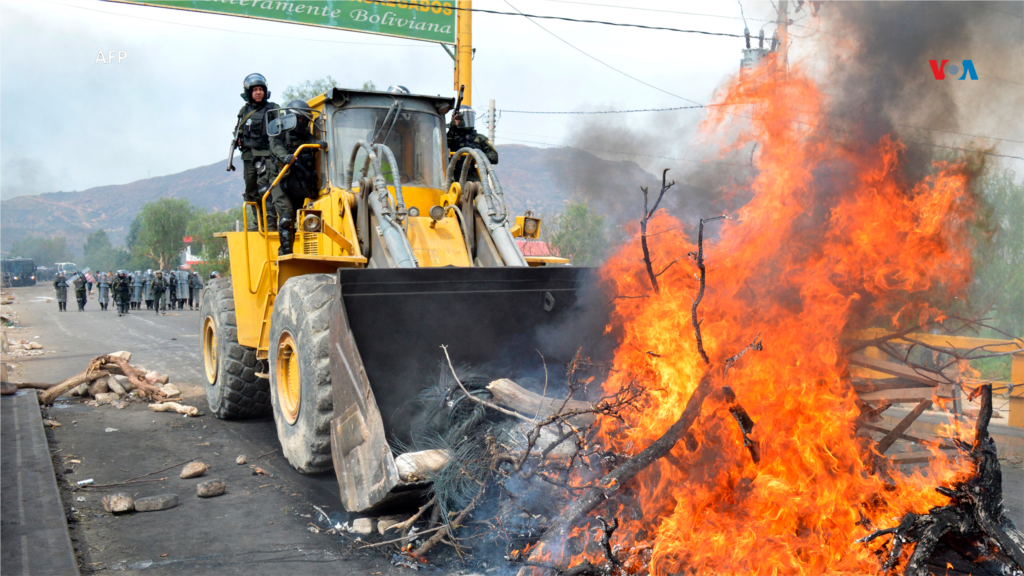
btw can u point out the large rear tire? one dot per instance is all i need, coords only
(300, 370)
(234, 390)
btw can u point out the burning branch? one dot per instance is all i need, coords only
(699, 258)
(643, 229)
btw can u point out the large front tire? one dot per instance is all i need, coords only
(300, 370)
(234, 390)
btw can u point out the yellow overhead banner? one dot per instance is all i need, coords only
(428, 20)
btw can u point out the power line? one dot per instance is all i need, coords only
(606, 111)
(237, 31)
(576, 20)
(657, 10)
(603, 63)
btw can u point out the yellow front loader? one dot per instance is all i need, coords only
(396, 256)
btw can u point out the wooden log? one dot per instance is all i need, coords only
(55, 392)
(508, 394)
(34, 385)
(422, 465)
(920, 375)
(923, 441)
(175, 407)
(917, 456)
(889, 439)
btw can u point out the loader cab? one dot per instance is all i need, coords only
(411, 126)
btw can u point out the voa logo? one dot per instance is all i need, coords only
(940, 68)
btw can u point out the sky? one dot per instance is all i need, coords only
(68, 122)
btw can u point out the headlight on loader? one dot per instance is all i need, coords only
(311, 223)
(527, 226)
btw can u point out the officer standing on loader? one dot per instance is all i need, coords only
(462, 134)
(122, 289)
(300, 182)
(252, 139)
(104, 290)
(159, 293)
(60, 284)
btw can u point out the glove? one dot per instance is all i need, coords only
(322, 144)
(289, 159)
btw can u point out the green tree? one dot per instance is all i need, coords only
(212, 250)
(579, 233)
(999, 255)
(100, 254)
(43, 251)
(158, 230)
(311, 88)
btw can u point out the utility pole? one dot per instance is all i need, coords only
(490, 120)
(783, 48)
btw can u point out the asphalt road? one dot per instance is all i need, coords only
(260, 526)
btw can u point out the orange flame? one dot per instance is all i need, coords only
(834, 238)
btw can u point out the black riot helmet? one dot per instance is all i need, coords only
(467, 118)
(250, 82)
(300, 109)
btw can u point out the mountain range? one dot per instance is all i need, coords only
(538, 179)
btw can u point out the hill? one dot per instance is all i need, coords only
(538, 179)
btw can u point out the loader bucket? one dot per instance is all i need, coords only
(387, 330)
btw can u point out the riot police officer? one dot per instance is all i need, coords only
(462, 134)
(172, 289)
(253, 141)
(122, 289)
(195, 289)
(60, 285)
(80, 290)
(159, 292)
(300, 182)
(104, 290)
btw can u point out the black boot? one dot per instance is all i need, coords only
(287, 236)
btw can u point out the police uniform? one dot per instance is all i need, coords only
(251, 128)
(195, 289)
(468, 137)
(80, 291)
(60, 285)
(104, 291)
(159, 293)
(300, 182)
(122, 289)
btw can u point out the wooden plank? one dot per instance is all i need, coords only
(926, 377)
(893, 384)
(904, 395)
(958, 342)
(508, 394)
(926, 440)
(917, 457)
(887, 441)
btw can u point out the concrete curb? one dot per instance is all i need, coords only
(34, 532)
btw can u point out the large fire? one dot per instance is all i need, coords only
(832, 239)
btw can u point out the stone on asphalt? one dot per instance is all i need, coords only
(115, 386)
(169, 390)
(154, 503)
(123, 381)
(363, 526)
(106, 397)
(98, 386)
(210, 488)
(81, 390)
(122, 354)
(118, 503)
(240, 460)
(194, 470)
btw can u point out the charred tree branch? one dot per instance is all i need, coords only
(699, 259)
(648, 214)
